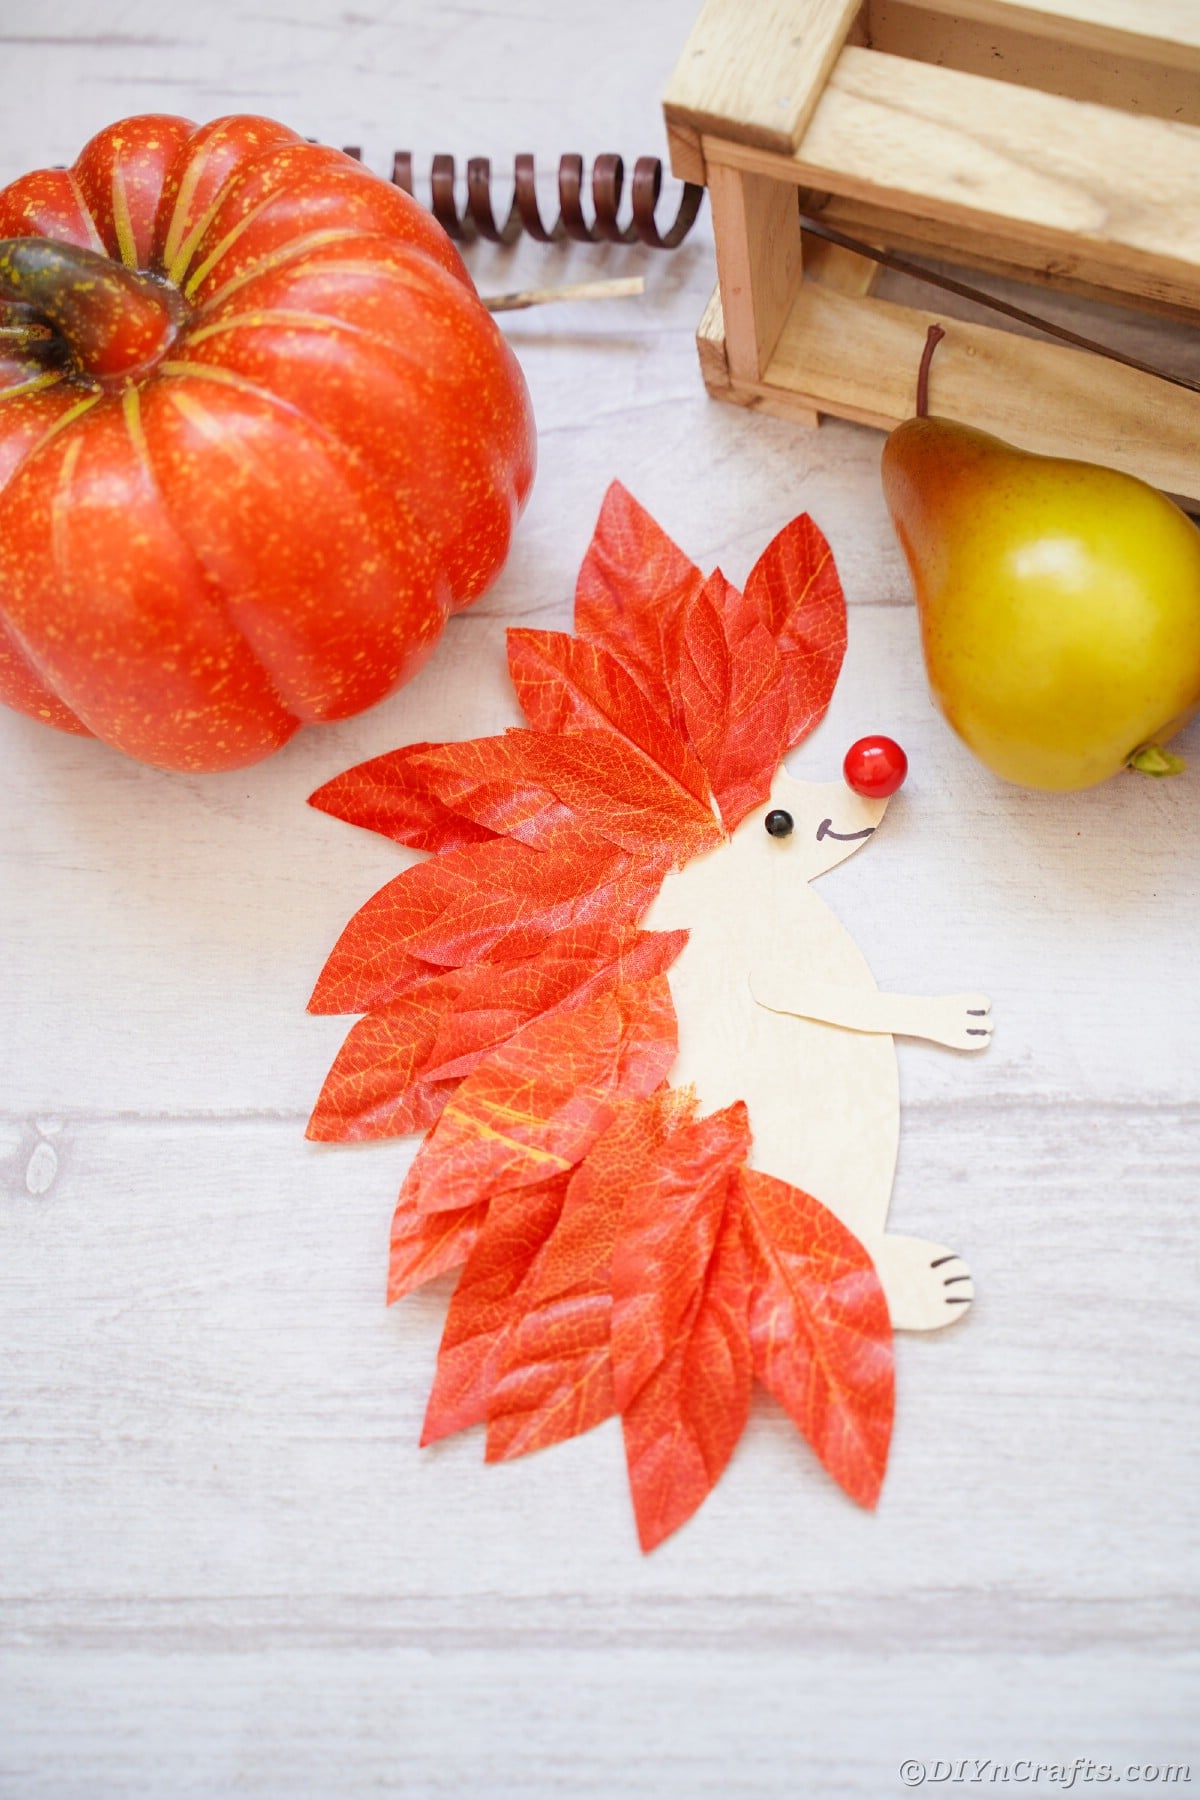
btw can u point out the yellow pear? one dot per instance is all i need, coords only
(1059, 602)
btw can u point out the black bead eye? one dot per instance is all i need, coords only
(779, 823)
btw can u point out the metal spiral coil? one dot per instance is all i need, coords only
(477, 218)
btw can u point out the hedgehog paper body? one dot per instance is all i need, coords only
(596, 999)
(777, 1006)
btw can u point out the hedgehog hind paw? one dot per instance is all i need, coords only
(927, 1285)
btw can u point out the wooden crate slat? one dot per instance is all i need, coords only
(859, 358)
(757, 229)
(991, 253)
(834, 267)
(1163, 29)
(755, 71)
(1080, 170)
(838, 268)
(1168, 89)
(1063, 174)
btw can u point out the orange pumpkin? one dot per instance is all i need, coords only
(258, 438)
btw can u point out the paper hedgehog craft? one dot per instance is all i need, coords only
(656, 1081)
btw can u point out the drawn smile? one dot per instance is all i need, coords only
(825, 829)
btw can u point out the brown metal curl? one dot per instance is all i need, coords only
(477, 217)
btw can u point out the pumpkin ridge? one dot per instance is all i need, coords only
(131, 408)
(230, 378)
(177, 268)
(342, 459)
(278, 259)
(212, 588)
(268, 315)
(345, 166)
(15, 636)
(122, 222)
(60, 424)
(188, 287)
(173, 257)
(412, 274)
(85, 212)
(493, 456)
(48, 378)
(176, 250)
(213, 592)
(283, 315)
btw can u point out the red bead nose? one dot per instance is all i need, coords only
(875, 767)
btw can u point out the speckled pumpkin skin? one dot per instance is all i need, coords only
(267, 524)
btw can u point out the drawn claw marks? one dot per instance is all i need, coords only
(968, 1021)
(957, 1287)
(927, 1285)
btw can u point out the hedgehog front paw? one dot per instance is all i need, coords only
(964, 1021)
(926, 1285)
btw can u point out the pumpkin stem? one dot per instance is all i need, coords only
(115, 322)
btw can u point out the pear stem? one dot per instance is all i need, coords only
(1152, 759)
(933, 338)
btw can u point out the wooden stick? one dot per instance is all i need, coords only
(579, 290)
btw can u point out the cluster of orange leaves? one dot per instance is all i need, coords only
(618, 1255)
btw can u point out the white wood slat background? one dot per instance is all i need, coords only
(225, 1567)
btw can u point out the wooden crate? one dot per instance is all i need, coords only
(1057, 141)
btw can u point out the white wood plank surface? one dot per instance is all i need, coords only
(225, 1567)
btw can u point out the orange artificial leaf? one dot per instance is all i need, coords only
(580, 1250)
(499, 900)
(497, 784)
(361, 972)
(684, 1423)
(632, 586)
(535, 1106)
(378, 1086)
(506, 900)
(402, 1061)
(674, 1203)
(566, 685)
(388, 794)
(574, 967)
(529, 786)
(427, 1244)
(795, 588)
(621, 795)
(484, 1308)
(734, 703)
(555, 1378)
(819, 1330)
(371, 963)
